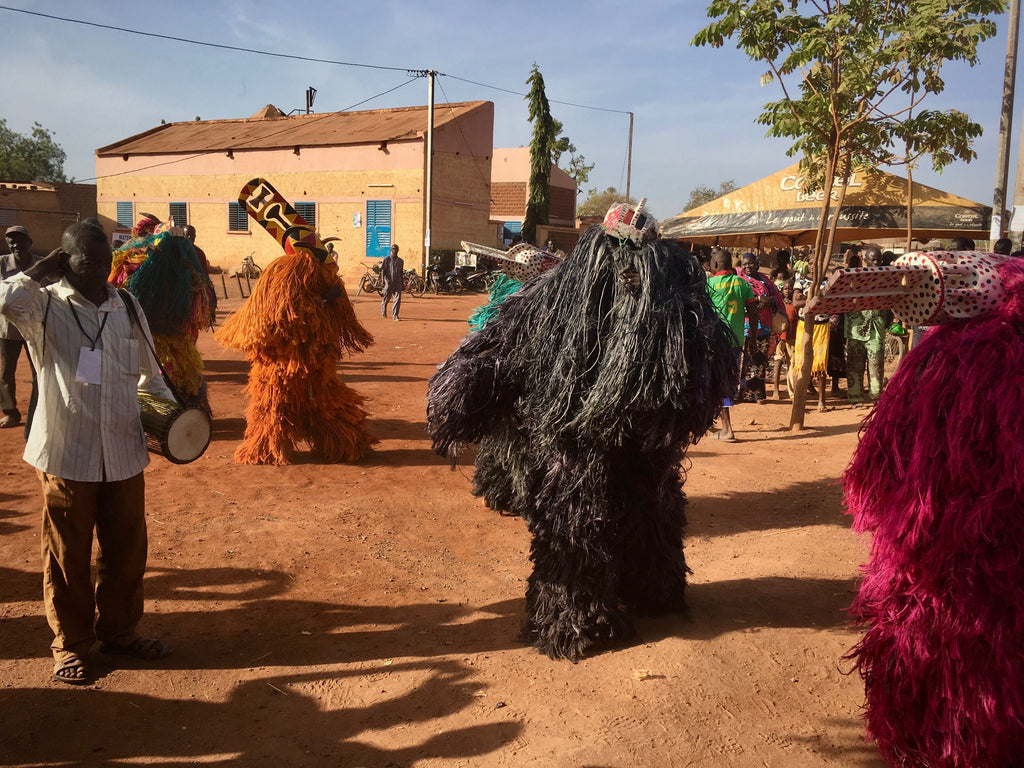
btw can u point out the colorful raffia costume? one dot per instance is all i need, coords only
(938, 479)
(161, 269)
(294, 329)
(583, 395)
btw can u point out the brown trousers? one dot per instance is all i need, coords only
(77, 613)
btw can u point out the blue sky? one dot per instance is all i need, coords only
(694, 108)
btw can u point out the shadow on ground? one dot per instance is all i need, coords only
(263, 721)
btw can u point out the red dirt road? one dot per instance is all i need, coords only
(367, 614)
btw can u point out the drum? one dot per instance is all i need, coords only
(177, 433)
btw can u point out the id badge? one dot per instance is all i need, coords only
(89, 366)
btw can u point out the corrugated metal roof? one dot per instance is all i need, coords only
(317, 130)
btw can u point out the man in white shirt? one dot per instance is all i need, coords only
(88, 447)
(19, 243)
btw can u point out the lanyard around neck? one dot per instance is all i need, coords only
(99, 333)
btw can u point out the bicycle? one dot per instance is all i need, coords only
(249, 269)
(371, 280)
(413, 284)
(895, 347)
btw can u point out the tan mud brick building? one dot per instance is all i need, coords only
(510, 182)
(359, 177)
(44, 209)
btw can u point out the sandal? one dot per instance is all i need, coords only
(145, 648)
(73, 670)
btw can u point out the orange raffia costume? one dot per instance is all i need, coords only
(294, 328)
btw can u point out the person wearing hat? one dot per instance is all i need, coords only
(20, 258)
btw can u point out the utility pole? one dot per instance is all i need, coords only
(629, 155)
(428, 163)
(428, 195)
(1006, 123)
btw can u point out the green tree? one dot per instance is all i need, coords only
(839, 64)
(943, 136)
(538, 201)
(577, 168)
(36, 157)
(561, 144)
(703, 194)
(598, 203)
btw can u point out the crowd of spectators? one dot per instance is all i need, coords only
(852, 351)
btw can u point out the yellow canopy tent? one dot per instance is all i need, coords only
(776, 212)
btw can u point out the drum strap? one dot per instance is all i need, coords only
(129, 305)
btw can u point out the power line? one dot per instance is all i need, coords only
(458, 124)
(221, 46)
(411, 71)
(382, 93)
(552, 101)
(243, 144)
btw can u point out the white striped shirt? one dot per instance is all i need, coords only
(85, 432)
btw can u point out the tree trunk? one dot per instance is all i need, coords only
(910, 205)
(838, 208)
(796, 417)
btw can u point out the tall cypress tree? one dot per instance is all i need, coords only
(538, 201)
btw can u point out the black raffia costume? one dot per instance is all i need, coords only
(583, 395)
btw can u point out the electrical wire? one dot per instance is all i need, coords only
(458, 124)
(413, 73)
(243, 144)
(189, 41)
(552, 101)
(295, 57)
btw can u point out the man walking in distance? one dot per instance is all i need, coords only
(734, 299)
(88, 446)
(19, 243)
(190, 235)
(391, 270)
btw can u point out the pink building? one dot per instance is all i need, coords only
(357, 176)
(510, 178)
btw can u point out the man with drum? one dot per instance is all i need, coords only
(88, 447)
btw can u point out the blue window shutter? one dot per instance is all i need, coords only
(179, 212)
(378, 228)
(125, 215)
(238, 219)
(308, 213)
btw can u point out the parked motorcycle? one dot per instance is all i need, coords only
(433, 278)
(371, 281)
(458, 280)
(476, 279)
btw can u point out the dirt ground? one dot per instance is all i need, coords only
(367, 614)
